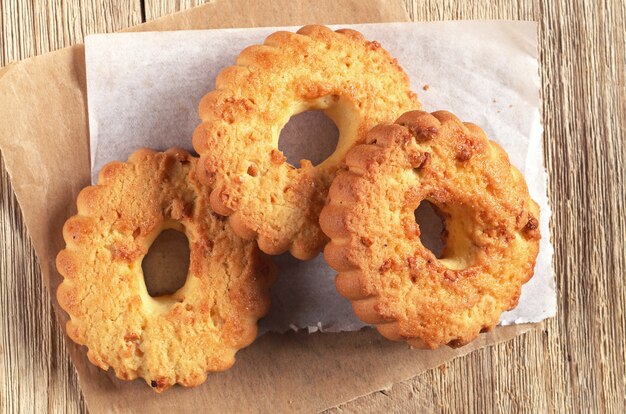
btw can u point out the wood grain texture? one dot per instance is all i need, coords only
(576, 363)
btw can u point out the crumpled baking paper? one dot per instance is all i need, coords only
(144, 88)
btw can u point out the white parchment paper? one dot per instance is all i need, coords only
(144, 88)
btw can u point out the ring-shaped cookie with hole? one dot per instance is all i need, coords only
(170, 339)
(355, 82)
(491, 231)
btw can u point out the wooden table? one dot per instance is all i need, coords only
(576, 362)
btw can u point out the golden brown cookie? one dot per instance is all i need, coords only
(354, 81)
(491, 230)
(170, 339)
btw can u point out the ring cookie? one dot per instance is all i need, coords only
(491, 231)
(170, 339)
(355, 82)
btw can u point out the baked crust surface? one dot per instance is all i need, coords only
(491, 230)
(170, 339)
(353, 80)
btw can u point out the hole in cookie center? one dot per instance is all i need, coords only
(431, 228)
(309, 135)
(166, 265)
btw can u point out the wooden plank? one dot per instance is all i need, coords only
(159, 8)
(576, 363)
